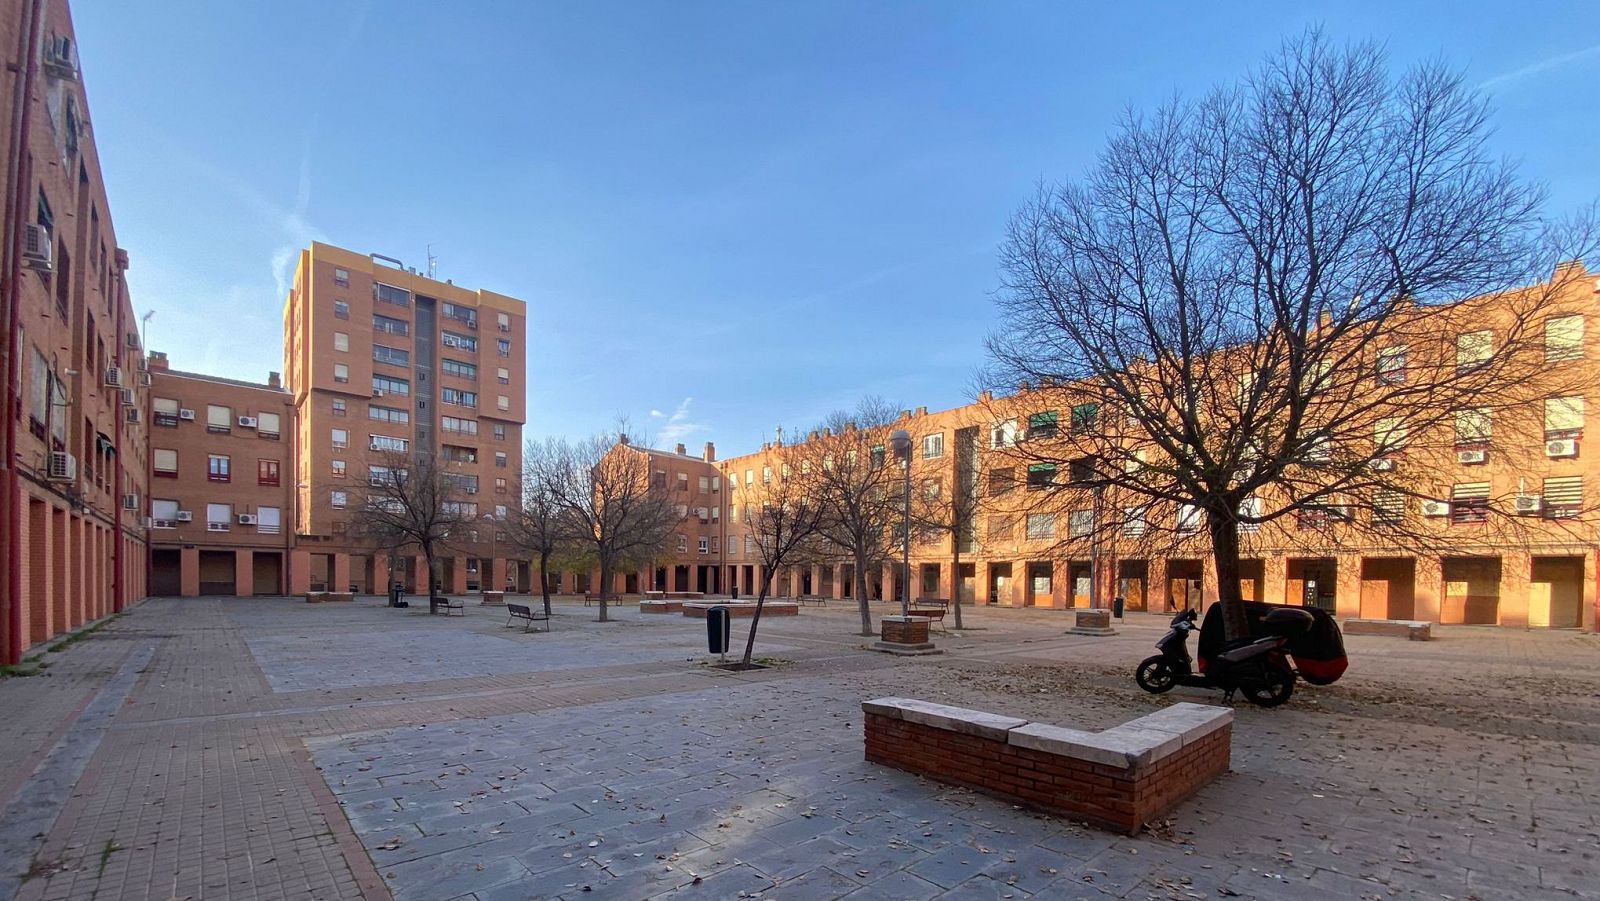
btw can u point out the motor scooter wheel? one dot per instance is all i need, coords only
(1272, 694)
(1155, 675)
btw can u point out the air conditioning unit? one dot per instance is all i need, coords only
(63, 467)
(1470, 457)
(113, 377)
(131, 339)
(185, 516)
(1528, 504)
(247, 519)
(36, 248)
(59, 58)
(186, 414)
(130, 502)
(146, 379)
(247, 422)
(377, 392)
(472, 491)
(127, 397)
(131, 414)
(1435, 508)
(1566, 447)
(1382, 464)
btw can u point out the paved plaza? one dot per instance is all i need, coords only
(266, 748)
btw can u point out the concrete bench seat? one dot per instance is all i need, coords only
(1412, 629)
(736, 609)
(1118, 779)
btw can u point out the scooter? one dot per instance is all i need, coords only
(1258, 667)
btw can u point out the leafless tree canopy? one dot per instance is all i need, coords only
(601, 489)
(1255, 297)
(539, 526)
(784, 527)
(409, 502)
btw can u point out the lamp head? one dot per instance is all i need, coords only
(900, 440)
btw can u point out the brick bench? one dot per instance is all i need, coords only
(329, 597)
(1415, 630)
(660, 605)
(1118, 779)
(736, 609)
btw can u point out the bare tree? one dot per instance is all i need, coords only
(784, 527)
(410, 501)
(1253, 299)
(949, 511)
(845, 471)
(601, 488)
(539, 525)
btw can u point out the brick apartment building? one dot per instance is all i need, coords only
(380, 360)
(221, 452)
(72, 469)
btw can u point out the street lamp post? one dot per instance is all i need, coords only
(900, 440)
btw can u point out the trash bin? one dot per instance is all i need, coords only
(396, 592)
(718, 624)
(1116, 606)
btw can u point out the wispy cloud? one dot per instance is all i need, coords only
(678, 425)
(1544, 65)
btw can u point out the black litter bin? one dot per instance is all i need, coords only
(1116, 606)
(718, 629)
(396, 592)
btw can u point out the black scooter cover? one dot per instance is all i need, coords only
(1318, 652)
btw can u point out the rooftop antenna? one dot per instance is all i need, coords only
(433, 263)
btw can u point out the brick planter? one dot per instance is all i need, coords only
(1118, 779)
(660, 606)
(1415, 630)
(905, 636)
(493, 598)
(737, 609)
(328, 597)
(1092, 622)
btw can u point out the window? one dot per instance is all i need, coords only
(1473, 427)
(716, 484)
(502, 347)
(460, 508)
(875, 456)
(387, 443)
(164, 461)
(338, 406)
(680, 510)
(683, 544)
(1042, 425)
(1000, 528)
(933, 446)
(931, 489)
(458, 397)
(749, 477)
(1473, 349)
(267, 425)
(1041, 476)
(502, 375)
(391, 386)
(1250, 509)
(501, 402)
(749, 544)
(683, 481)
(337, 499)
(338, 469)
(341, 310)
(1563, 497)
(1080, 523)
(384, 475)
(341, 341)
(499, 431)
(704, 545)
(704, 484)
(1389, 434)
(1563, 418)
(218, 418)
(217, 468)
(499, 486)
(502, 322)
(456, 339)
(716, 514)
(1469, 502)
(219, 517)
(458, 426)
(500, 459)
(459, 369)
(766, 475)
(1392, 365)
(1081, 470)
(268, 521)
(1084, 418)
(1563, 338)
(1004, 434)
(267, 472)
(1001, 481)
(341, 373)
(382, 293)
(715, 545)
(387, 414)
(164, 513)
(1388, 507)
(1188, 518)
(454, 454)
(341, 438)
(499, 511)
(1133, 521)
(164, 410)
(341, 277)
(459, 313)
(391, 355)
(388, 325)
(1041, 526)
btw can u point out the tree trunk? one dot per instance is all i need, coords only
(605, 579)
(955, 574)
(427, 558)
(544, 579)
(1225, 556)
(861, 595)
(761, 602)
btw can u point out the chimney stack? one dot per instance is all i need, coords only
(711, 452)
(679, 450)
(622, 438)
(158, 360)
(922, 411)
(273, 381)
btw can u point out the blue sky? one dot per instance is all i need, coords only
(724, 217)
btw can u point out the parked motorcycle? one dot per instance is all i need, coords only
(1259, 667)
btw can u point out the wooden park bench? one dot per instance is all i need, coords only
(591, 598)
(932, 609)
(525, 612)
(449, 604)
